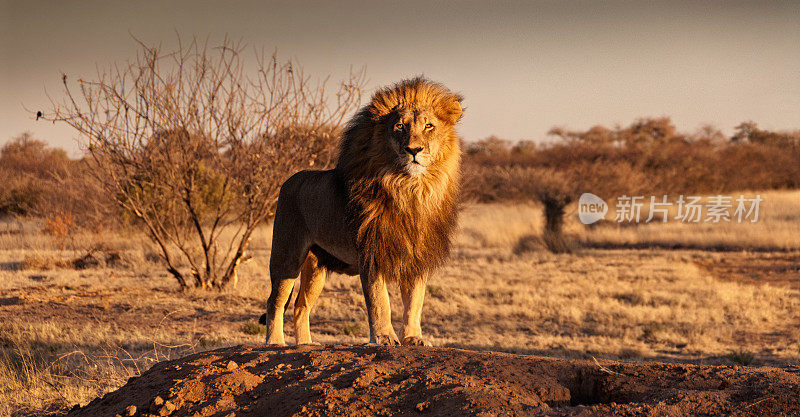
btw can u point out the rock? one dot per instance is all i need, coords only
(90, 260)
(167, 409)
(130, 410)
(232, 365)
(158, 401)
(423, 406)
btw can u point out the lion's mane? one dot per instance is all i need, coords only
(404, 224)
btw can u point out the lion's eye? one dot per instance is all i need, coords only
(429, 126)
(399, 126)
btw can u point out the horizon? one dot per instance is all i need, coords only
(522, 67)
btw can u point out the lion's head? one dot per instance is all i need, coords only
(407, 128)
(399, 158)
(415, 120)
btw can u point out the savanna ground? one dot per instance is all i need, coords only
(705, 293)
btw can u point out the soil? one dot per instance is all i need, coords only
(374, 380)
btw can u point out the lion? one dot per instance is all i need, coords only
(386, 212)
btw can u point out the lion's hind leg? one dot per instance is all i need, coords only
(286, 260)
(278, 297)
(312, 279)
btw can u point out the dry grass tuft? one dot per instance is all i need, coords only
(254, 329)
(40, 262)
(741, 357)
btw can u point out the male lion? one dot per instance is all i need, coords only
(386, 212)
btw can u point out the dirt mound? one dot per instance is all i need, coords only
(371, 380)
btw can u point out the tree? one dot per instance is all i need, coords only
(493, 147)
(749, 132)
(196, 148)
(28, 170)
(554, 190)
(596, 135)
(25, 154)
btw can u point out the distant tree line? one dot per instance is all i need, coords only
(39, 181)
(648, 157)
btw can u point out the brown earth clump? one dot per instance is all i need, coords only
(373, 380)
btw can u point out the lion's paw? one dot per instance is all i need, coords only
(275, 341)
(415, 341)
(387, 340)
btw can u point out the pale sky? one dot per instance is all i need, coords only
(523, 67)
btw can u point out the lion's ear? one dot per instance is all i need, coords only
(451, 110)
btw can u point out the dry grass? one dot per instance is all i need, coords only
(70, 335)
(777, 229)
(646, 304)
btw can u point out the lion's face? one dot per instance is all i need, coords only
(415, 136)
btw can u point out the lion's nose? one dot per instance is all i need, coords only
(413, 150)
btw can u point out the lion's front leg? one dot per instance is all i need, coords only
(413, 294)
(379, 312)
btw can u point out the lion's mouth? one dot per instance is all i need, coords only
(418, 161)
(414, 168)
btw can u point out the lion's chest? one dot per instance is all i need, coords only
(404, 241)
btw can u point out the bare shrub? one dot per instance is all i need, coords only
(78, 192)
(60, 227)
(195, 148)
